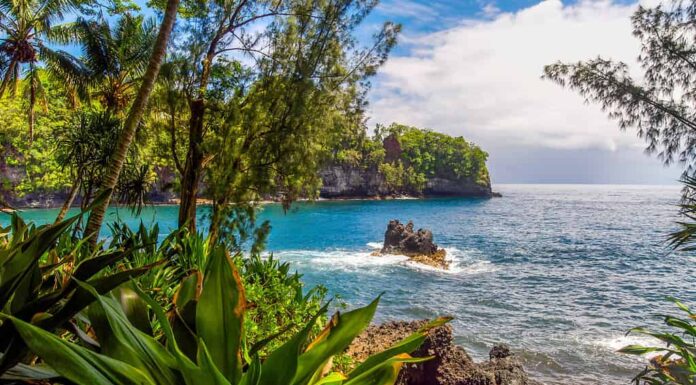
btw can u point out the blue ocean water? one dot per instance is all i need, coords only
(559, 272)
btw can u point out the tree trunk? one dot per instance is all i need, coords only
(214, 230)
(194, 157)
(96, 217)
(8, 76)
(68, 202)
(193, 167)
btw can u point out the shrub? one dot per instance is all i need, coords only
(211, 348)
(39, 275)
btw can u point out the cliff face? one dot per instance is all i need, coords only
(343, 181)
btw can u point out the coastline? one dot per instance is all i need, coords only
(56, 203)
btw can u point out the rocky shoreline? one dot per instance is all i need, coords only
(451, 365)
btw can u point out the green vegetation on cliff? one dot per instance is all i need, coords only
(407, 157)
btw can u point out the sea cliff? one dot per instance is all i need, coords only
(347, 181)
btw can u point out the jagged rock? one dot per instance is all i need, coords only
(418, 245)
(500, 351)
(451, 364)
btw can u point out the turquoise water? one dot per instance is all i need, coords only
(558, 272)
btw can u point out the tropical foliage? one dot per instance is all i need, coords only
(39, 284)
(408, 156)
(198, 335)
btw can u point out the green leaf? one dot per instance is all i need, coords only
(211, 373)
(119, 339)
(332, 379)
(638, 349)
(220, 314)
(134, 307)
(253, 375)
(335, 338)
(407, 345)
(22, 372)
(76, 363)
(385, 373)
(283, 362)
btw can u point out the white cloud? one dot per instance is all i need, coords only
(490, 10)
(407, 8)
(481, 78)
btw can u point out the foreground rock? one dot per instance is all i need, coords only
(451, 365)
(417, 245)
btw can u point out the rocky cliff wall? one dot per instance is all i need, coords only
(341, 181)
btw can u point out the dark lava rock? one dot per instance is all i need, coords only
(451, 364)
(402, 239)
(417, 245)
(500, 351)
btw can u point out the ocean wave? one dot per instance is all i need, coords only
(374, 245)
(461, 263)
(616, 342)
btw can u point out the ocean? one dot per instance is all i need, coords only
(558, 272)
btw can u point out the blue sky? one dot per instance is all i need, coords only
(473, 68)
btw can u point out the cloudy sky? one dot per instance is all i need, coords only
(473, 68)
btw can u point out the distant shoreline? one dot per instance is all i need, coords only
(207, 202)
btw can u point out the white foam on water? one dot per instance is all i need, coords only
(614, 343)
(461, 263)
(341, 259)
(465, 263)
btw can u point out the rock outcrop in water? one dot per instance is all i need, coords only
(451, 364)
(417, 245)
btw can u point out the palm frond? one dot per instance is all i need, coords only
(685, 238)
(97, 46)
(69, 69)
(65, 33)
(51, 11)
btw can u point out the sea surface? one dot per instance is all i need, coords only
(558, 272)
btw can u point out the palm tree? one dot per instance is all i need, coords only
(112, 63)
(113, 59)
(25, 26)
(135, 114)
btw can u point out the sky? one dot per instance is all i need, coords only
(473, 68)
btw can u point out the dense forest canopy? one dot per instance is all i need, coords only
(408, 156)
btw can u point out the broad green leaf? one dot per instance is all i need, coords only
(335, 338)
(282, 364)
(182, 316)
(334, 378)
(385, 373)
(209, 370)
(76, 363)
(220, 314)
(119, 339)
(407, 345)
(134, 307)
